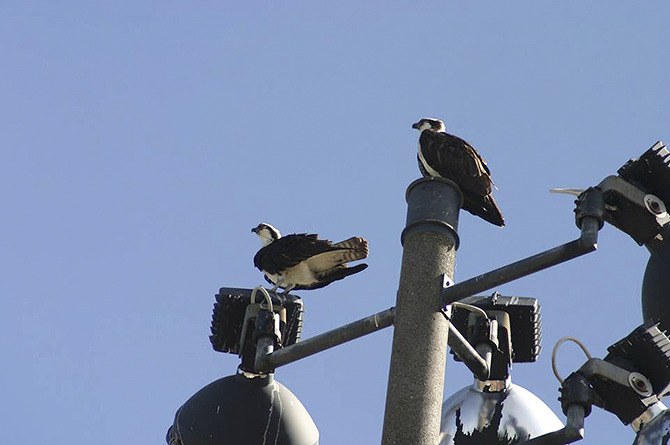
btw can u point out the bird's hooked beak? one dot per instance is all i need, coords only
(255, 230)
(416, 125)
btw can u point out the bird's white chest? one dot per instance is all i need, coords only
(431, 171)
(299, 274)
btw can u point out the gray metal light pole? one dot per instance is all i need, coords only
(418, 357)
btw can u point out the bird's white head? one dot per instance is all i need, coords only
(266, 233)
(430, 124)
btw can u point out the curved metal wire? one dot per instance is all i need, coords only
(266, 296)
(554, 368)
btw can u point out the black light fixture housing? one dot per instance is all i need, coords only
(243, 410)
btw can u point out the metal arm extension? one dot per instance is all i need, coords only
(327, 340)
(572, 432)
(586, 243)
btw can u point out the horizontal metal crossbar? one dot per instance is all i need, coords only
(587, 242)
(326, 340)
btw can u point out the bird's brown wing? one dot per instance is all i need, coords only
(289, 251)
(455, 159)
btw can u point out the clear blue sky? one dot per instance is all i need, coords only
(141, 141)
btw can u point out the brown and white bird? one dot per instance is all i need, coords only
(303, 261)
(443, 155)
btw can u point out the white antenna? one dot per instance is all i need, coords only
(566, 191)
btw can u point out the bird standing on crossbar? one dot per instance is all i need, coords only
(443, 155)
(303, 261)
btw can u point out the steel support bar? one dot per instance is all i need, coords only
(572, 432)
(587, 242)
(479, 366)
(327, 340)
(418, 355)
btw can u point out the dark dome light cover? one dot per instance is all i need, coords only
(243, 411)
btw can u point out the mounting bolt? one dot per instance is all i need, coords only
(640, 384)
(654, 204)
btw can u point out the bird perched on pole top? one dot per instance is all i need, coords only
(303, 261)
(443, 155)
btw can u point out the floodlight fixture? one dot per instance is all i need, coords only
(234, 317)
(629, 383)
(504, 330)
(636, 202)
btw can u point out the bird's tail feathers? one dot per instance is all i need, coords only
(492, 212)
(353, 249)
(484, 207)
(343, 272)
(356, 247)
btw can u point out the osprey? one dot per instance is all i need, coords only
(303, 261)
(443, 155)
